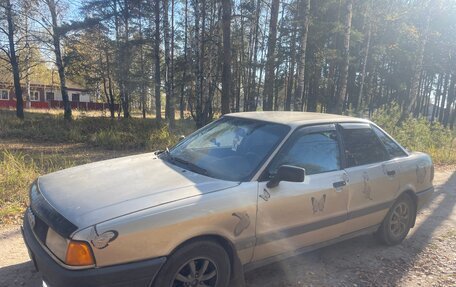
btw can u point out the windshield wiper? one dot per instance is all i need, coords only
(191, 166)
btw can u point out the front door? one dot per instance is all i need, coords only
(294, 215)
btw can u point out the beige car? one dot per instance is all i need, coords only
(243, 191)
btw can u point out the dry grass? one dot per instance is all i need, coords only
(44, 142)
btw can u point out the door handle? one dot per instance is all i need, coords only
(339, 184)
(391, 172)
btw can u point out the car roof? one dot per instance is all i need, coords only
(296, 118)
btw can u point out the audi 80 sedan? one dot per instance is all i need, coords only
(246, 190)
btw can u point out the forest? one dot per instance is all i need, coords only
(204, 58)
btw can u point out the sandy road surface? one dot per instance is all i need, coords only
(426, 258)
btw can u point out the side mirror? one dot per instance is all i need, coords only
(287, 173)
(182, 137)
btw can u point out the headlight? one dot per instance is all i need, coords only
(57, 244)
(71, 252)
(32, 191)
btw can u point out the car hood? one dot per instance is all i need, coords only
(96, 192)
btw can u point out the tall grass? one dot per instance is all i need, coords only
(17, 172)
(115, 134)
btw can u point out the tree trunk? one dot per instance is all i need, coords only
(184, 73)
(450, 101)
(58, 60)
(437, 97)
(363, 69)
(291, 71)
(14, 61)
(226, 70)
(413, 96)
(169, 110)
(158, 115)
(441, 109)
(111, 94)
(270, 59)
(342, 87)
(302, 60)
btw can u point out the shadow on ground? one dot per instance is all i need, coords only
(357, 262)
(362, 261)
(25, 275)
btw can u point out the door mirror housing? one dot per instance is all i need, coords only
(287, 173)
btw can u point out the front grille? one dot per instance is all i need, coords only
(40, 229)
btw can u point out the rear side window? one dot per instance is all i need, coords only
(393, 149)
(362, 147)
(316, 152)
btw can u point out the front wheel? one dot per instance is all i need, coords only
(198, 264)
(397, 222)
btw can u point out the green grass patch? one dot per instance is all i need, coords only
(107, 133)
(17, 172)
(419, 135)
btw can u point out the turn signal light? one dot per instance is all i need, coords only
(79, 254)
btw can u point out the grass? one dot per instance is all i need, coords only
(44, 142)
(419, 135)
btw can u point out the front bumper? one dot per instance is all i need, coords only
(424, 197)
(137, 274)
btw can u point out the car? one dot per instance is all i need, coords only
(248, 189)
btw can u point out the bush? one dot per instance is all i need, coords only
(418, 134)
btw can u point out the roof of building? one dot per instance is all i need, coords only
(296, 118)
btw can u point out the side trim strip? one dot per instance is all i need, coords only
(297, 230)
(431, 189)
(263, 262)
(301, 229)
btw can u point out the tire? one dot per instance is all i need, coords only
(183, 267)
(397, 222)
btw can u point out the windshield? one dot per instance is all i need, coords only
(230, 148)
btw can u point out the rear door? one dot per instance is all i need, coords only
(298, 214)
(373, 176)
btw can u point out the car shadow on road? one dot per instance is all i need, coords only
(361, 261)
(22, 274)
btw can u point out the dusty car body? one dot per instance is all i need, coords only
(251, 188)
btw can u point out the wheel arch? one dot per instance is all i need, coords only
(414, 198)
(237, 274)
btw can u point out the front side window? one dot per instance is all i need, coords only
(230, 148)
(393, 148)
(4, 95)
(316, 152)
(362, 147)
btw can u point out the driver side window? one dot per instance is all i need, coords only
(316, 152)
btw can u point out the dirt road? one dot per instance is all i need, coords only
(426, 258)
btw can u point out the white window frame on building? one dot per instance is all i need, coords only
(33, 99)
(1, 95)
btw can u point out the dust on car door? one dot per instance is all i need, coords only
(373, 176)
(297, 214)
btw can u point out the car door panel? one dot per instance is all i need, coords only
(373, 177)
(300, 214)
(371, 194)
(294, 215)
